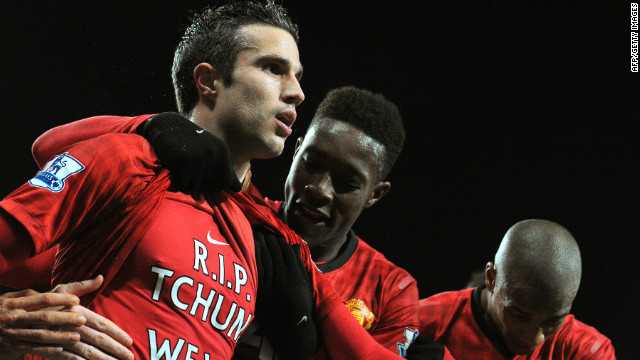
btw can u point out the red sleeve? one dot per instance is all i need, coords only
(93, 178)
(400, 311)
(15, 243)
(55, 140)
(344, 337)
(33, 273)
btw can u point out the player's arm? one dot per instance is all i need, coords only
(403, 308)
(33, 273)
(343, 335)
(197, 159)
(51, 325)
(43, 211)
(74, 189)
(423, 348)
(15, 242)
(22, 316)
(398, 320)
(55, 140)
(284, 307)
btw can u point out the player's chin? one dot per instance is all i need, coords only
(311, 230)
(313, 238)
(520, 349)
(277, 144)
(272, 149)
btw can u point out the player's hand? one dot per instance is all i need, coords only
(54, 325)
(100, 337)
(285, 296)
(26, 320)
(424, 348)
(196, 158)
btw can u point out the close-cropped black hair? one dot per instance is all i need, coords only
(212, 37)
(372, 113)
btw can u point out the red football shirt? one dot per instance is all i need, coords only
(347, 341)
(186, 290)
(454, 319)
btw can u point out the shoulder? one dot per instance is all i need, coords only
(367, 251)
(441, 311)
(446, 300)
(378, 263)
(117, 150)
(105, 162)
(584, 340)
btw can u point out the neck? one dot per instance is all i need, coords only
(328, 250)
(203, 116)
(484, 303)
(242, 169)
(483, 300)
(323, 254)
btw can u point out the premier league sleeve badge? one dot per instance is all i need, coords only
(56, 171)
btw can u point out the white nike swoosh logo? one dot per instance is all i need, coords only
(304, 318)
(199, 131)
(214, 241)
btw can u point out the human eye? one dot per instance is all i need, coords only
(551, 323)
(347, 185)
(272, 67)
(309, 163)
(352, 185)
(517, 315)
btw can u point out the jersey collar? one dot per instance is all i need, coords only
(346, 251)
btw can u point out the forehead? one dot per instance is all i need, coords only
(534, 301)
(343, 143)
(265, 40)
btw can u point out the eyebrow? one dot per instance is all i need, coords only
(323, 154)
(557, 317)
(514, 307)
(552, 319)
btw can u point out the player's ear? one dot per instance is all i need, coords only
(207, 80)
(298, 145)
(490, 276)
(378, 192)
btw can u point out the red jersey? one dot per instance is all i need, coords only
(132, 208)
(381, 296)
(182, 279)
(454, 319)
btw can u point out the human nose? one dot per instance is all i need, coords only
(293, 93)
(536, 338)
(321, 190)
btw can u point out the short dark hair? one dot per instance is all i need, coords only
(372, 113)
(212, 37)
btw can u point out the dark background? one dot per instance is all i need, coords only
(512, 112)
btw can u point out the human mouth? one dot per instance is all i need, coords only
(286, 120)
(312, 213)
